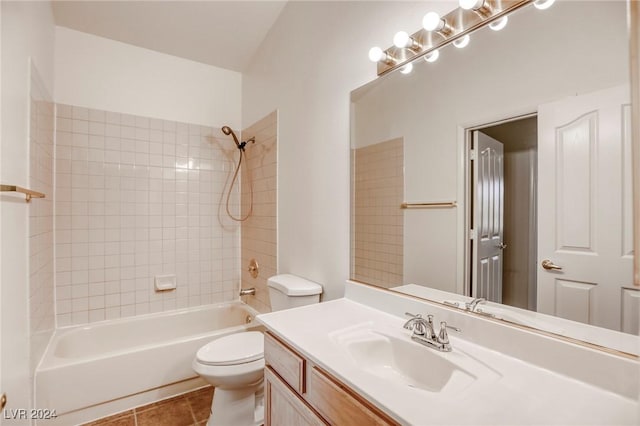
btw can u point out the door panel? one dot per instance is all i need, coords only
(574, 184)
(583, 219)
(488, 218)
(574, 299)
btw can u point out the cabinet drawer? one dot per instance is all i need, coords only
(284, 406)
(340, 405)
(287, 363)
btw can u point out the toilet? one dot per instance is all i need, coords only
(234, 364)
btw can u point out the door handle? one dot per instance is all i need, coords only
(549, 265)
(502, 245)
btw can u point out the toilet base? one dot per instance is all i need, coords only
(238, 407)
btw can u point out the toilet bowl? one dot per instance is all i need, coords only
(234, 364)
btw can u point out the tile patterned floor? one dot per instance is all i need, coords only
(189, 409)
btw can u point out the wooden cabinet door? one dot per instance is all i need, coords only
(340, 405)
(284, 407)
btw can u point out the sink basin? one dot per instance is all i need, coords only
(397, 359)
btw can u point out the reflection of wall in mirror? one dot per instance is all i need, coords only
(539, 57)
(377, 218)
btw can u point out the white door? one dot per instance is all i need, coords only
(488, 217)
(584, 208)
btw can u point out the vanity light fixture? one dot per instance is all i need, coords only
(378, 55)
(543, 4)
(481, 6)
(403, 40)
(462, 42)
(499, 24)
(454, 28)
(433, 22)
(432, 56)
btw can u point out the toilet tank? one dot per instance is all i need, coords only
(290, 291)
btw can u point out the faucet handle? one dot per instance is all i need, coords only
(443, 337)
(412, 323)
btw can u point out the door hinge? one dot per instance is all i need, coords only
(472, 234)
(472, 155)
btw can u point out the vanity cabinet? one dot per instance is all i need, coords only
(302, 393)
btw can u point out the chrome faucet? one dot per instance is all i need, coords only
(420, 326)
(422, 332)
(248, 291)
(471, 306)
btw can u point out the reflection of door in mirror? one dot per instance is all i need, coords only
(508, 275)
(488, 217)
(585, 216)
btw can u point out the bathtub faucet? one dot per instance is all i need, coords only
(248, 291)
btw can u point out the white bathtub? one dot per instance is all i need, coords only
(94, 364)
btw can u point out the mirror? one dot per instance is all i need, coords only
(511, 152)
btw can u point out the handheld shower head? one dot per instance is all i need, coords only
(227, 131)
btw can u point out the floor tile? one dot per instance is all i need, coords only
(123, 419)
(175, 412)
(200, 402)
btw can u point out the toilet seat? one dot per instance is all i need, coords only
(239, 348)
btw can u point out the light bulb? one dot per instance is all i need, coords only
(401, 39)
(432, 56)
(471, 4)
(543, 4)
(462, 42)
(499, 24)
(432, 22)
(407, 68)
(376, 54)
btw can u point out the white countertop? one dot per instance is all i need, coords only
(514, 392)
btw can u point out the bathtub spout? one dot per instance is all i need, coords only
(248, 291)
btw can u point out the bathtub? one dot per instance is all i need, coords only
(94, 364)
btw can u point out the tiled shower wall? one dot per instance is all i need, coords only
(378, 221)
(259, 230)
(138, 197)
(41, 151)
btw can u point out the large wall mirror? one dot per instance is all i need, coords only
(502, 172)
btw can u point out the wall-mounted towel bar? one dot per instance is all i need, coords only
(438, 205)
(29, 194)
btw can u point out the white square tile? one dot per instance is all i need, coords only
(80, 126)
(112, 117)
(80, 113)
(96, 315)
(63, 110)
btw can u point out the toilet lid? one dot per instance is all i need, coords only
(234, 349)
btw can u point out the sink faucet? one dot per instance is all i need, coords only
(422, 332)
(420, 326)
(471, 306)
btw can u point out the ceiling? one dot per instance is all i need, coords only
(225, 34)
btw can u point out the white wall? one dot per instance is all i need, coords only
(27, 31)
(499, 75)
(103, 74)
(315, 54)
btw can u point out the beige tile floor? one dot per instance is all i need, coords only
(189, 409)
